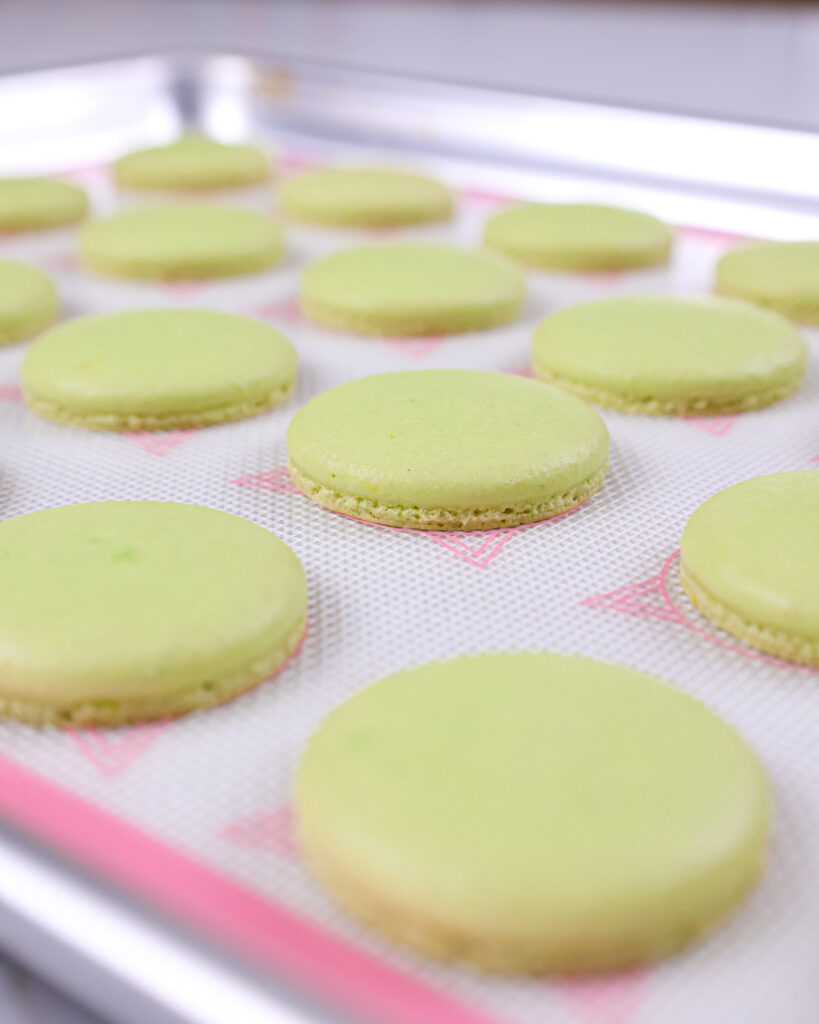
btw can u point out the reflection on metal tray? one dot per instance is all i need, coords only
(158, 890)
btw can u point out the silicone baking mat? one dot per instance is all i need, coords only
(195, 815)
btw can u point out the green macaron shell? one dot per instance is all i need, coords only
(579, 236)
(749, 558)
(670, 355)
(412, 289)
(192, 163)
(131, 610)
(181, 242)
(35, 204)
(28, 301)
(783, 276)
(447, 449)
(532, 812)
(157, 369)
(364, 197)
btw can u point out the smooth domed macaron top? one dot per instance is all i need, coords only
(34, 204)
(782, 275)
(669, 349)
(28, 301)
(571, 812)
(178, 242)
(126, 600)
(579, 236)
(156, 362)
(411, 288)
(364, 197)
(754, 548)
(193, 162)
(455, 439)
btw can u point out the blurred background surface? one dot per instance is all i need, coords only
(749, 61)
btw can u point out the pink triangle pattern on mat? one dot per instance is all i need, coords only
(11, 392)
(288, 310)
(603, 278)
(277, 480)
(295, 161)
(478, 548)
(611, 999)
(651, 599)
(182, 289)
(416, 347)
(716, 426)
(482, 198)
(647, 598)
(62, 261)
(271, 831)
(159, 444)
(111, 753)
(522, 371)
(381, 234)
(699, 234)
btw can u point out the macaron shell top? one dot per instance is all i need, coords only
(135, 604)
(28, 301)
(579, 236)
(783, 276)
(532, 812)
(407, 289)
(157, 369)
(193, 163)
(364, 197)
(34, 204)
(670, 355)
(753, 549)
(181, 242)
(438, 440)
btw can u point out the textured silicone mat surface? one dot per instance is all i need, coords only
(601, 581)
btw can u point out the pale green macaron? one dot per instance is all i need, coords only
(163, 369)
(783, 276)
(37, 204)
(447, 450)
(579, 236)
(364, 197)
(412, 289)
(28, 301)
(532, 813)
(126, 611)
(181, 243)
(670, 356)
(192, 163)
(750, 563)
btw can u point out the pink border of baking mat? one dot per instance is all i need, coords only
(179, 885)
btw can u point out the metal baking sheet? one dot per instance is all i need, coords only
(175, 838)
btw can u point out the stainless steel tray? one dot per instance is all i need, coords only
(58, 907)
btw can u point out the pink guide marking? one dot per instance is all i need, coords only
(482, 198)
(698, 234)
(159, 444)
(416, 347)
(611, 999)
(277, 480)
(11, 392)
(111, 753)
(717, 426)
(272, 831)
(650, 598)
(288, 310)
